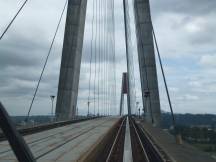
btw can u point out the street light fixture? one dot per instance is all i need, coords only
(88, 108)
(52, 100)
(137, 105)
(139, 112)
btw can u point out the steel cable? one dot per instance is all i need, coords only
(11, 22)
(92, 35)
(164, 79)
(46, 60)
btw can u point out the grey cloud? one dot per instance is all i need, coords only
(191, 7)
(22, 56)
(204, 37)
(18, 50)
(21, 62)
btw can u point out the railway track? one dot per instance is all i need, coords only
(138, 150)
(142, 147)
(113, 146)
(117, 149)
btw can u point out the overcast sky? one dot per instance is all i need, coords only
(186, 35)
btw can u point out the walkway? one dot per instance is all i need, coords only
(178, 153)
(66, 144)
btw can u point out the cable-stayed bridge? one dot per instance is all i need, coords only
(100, 136)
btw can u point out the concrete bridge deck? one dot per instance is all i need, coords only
(67, 144)
(166, 143)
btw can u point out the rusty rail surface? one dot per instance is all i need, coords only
(138, 149)
(143, 149)
(147, 151)
(111, 147)
(117, 149)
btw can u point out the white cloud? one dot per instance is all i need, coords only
(195, 25)
(196, 84)
(208, 61)
(191, 97)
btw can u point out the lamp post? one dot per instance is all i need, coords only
(137, 105)
(139, 112)
(88, 108)
(52, 100)
(77, 112)
(147, 96)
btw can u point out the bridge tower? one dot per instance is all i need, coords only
(147, 64)
(71, 59)
(72, 52)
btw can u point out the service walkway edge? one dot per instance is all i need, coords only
(167, 144)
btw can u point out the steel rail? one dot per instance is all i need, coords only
(155, 148)
(115, 141)
(140, 142)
